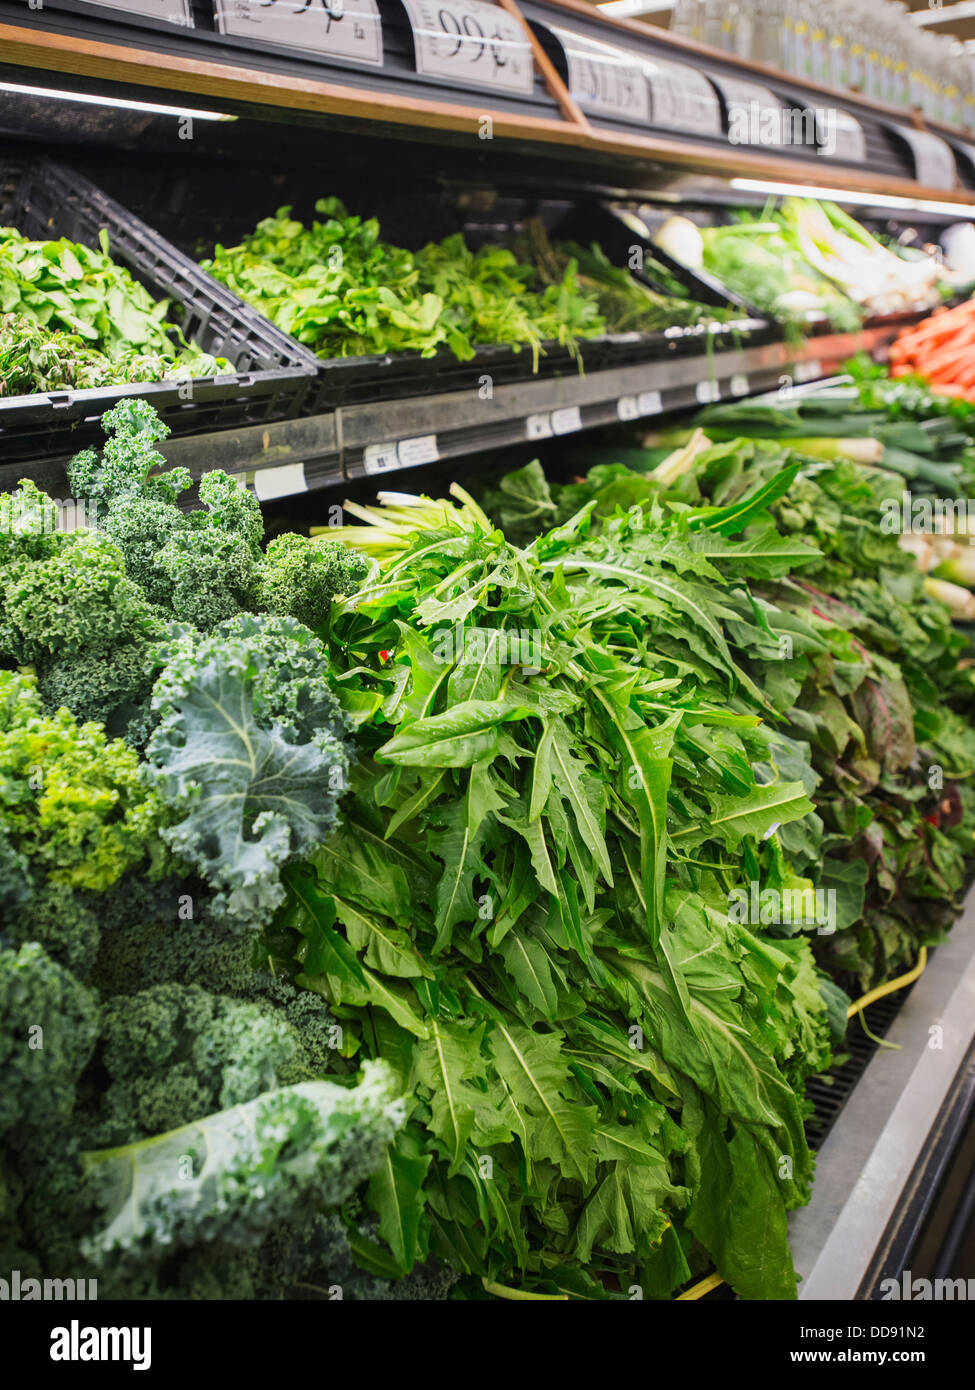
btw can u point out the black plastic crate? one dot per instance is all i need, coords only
(43, 200)
(349, 381)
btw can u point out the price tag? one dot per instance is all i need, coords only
(740, 385)
(408, 453)
(682, 98)
(707, 392)
(421, 449)
(755, 115)
(808, 371)
(380, 458)
(649, 403)
(338, 28)
(840, 136)
(567, 420)
(606, 79)
(283, 481)
(627, 408)
(934, 163)
(538, 427)
(472, 43)
(173, 11)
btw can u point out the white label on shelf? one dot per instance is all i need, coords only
(472, 43)
(682, 98)
(282, 481)
(840, 135)
(348, 29)
(707, 392)
(755, 115)
(380, 458)
(422, 448)
(605, 79)
(740, 385)
(175, 11)
(934, 163)
(567, 420)
(627, 408)
(649, 403)
(808, 371)
(538, 427)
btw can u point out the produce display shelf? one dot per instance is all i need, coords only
(875, 1165)
(45, 199)
(330, 449)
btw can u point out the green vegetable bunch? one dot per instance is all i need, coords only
(338, 287)
(71, 317)
(563, 773)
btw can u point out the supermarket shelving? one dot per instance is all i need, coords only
(107, 50)
(325, 451)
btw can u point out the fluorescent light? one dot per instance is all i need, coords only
(863, 200)
(121, 103)
(628, 7)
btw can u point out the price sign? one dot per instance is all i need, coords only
(707, 392)
(740, 385)
(606, 79)
(472, 43)
(173, 11)
(650, 402)
(682, 98)
(337, 28)
(840, 136)
(809, 371)
(567, 420)
(934, 163)
(407, 453)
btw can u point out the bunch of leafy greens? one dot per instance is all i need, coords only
(563, 774)
(876, 690)
(625, 303)
(339, 287)
(69, 316)
(178, 1120)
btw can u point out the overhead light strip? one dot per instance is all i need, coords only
(623, 8)
(116, 103)
(844, 195)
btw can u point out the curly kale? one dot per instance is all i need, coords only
(176, 1053)
(72, 803)
(210, 575)
(128, 463)
(110, 688)
(248, 758)
(203, 566)
(48, 1026)
(63, 920)
(138, 952)
(79, 599)
(300, 577)
(29, 524)
(236, 1176)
